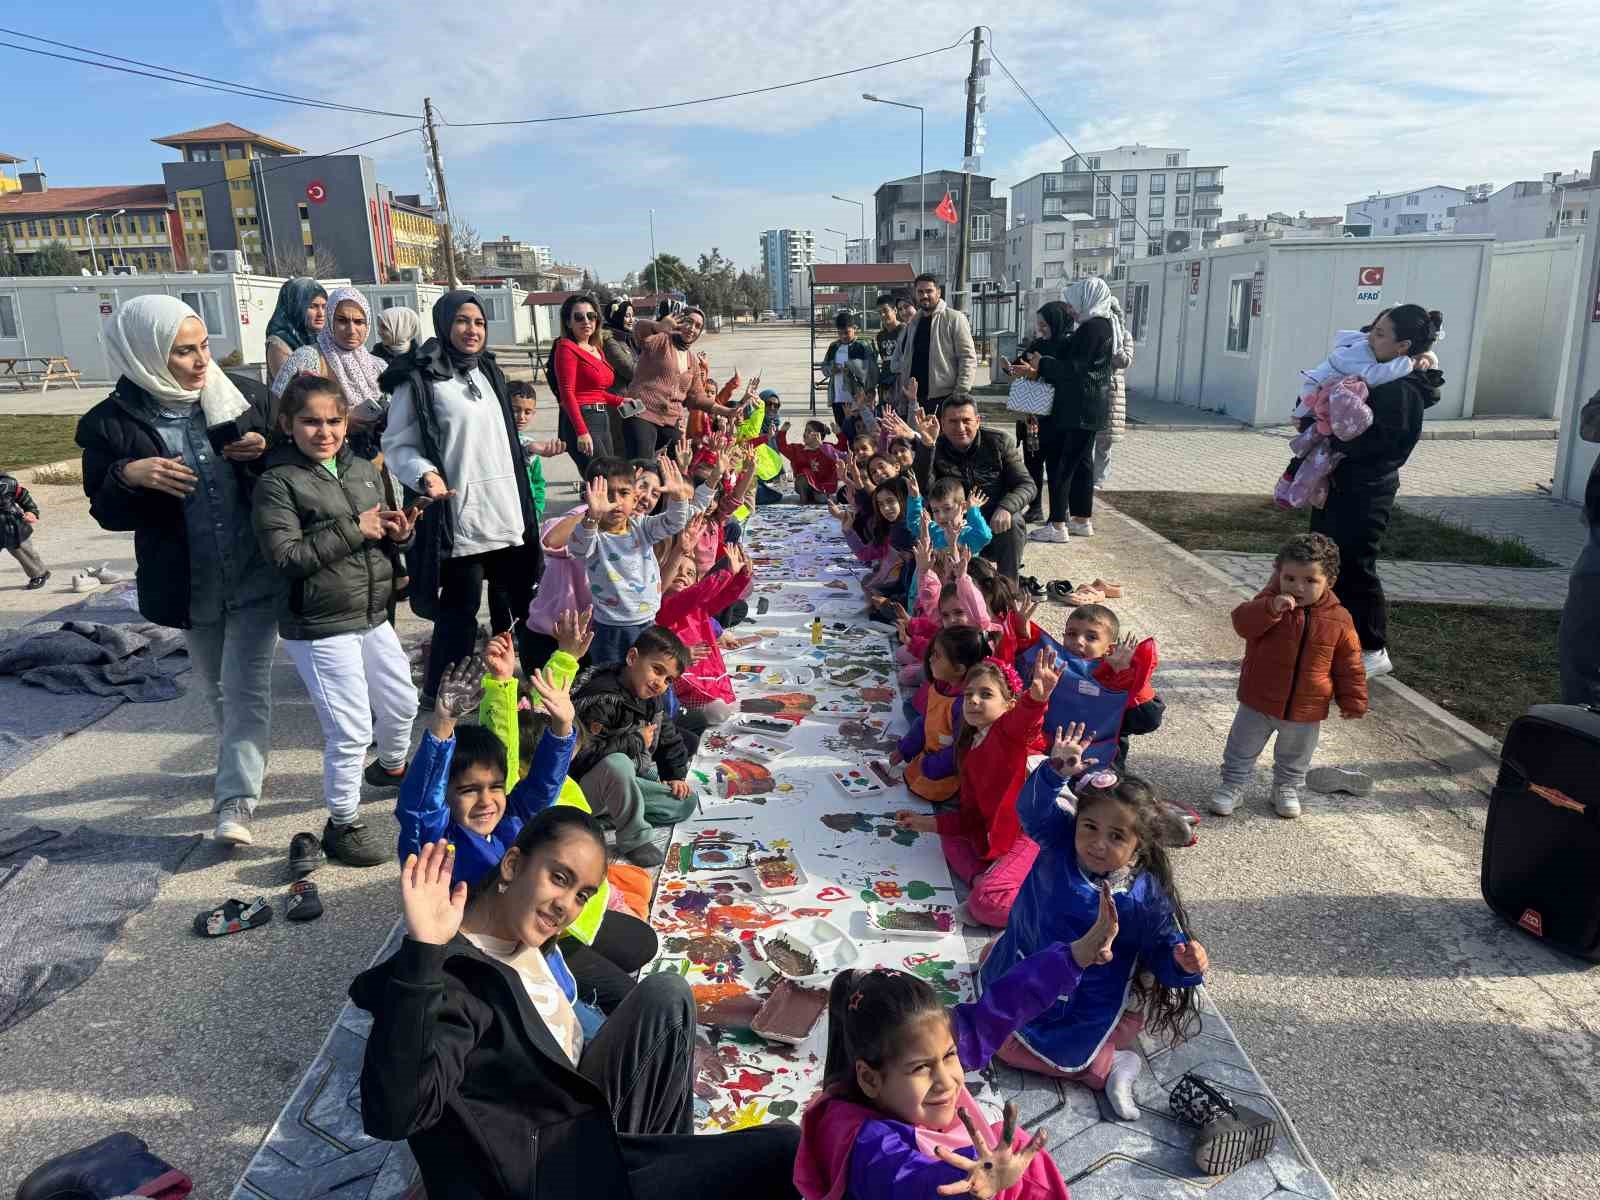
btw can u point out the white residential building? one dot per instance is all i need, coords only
(1138, 193)
(1549, 206)
(1421, 210)
(783, 252)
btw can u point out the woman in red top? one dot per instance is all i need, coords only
(580, 376)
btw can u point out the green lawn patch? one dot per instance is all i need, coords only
(27, 441)
(1255, 525)
(1444, 651)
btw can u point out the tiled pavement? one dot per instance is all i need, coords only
(1491, 487)
(1438, 583)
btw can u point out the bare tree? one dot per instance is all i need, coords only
(462, 237)
(289, 257)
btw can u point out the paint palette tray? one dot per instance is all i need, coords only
(810, 951)
(718, 855)
(756, 748)
(790, 1013)
(764, 726)
(912, 922)
(777, 874)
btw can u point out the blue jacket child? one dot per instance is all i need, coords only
(1059, 901)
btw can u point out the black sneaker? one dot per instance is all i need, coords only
(355, 844)
(648, 855)
(377, 775)
(1033, 516)
(35, 584)
(305, 854)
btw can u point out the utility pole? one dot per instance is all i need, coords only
(960, 274)
(447, 234)
(655, 271)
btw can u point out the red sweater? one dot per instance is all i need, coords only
(992, 774)
(581, 378)
(819, 467)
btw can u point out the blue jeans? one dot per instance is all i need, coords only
(611, 642)
(232, 661)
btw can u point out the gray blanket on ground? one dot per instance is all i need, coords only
(95, 659)
(63, 897)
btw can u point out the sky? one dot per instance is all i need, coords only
(1306, 112)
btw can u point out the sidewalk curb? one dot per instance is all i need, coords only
(1468, 733)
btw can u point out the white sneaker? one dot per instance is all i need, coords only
(1048, 533)
(1125, 1065)
(1340, 779)
(1286, 801)
(105, 574)
(1376, 663)
(1224, 800)
(233, 824)
(84, 582)
(1083, 528)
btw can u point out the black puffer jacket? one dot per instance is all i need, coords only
(612, 720)
(992, 462)
(15, 502)
(1079, 368)
(114, 433)
(340, 581)
(1376, 456)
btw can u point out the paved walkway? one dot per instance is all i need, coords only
(1431, 582)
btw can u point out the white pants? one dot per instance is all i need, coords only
(357, 681)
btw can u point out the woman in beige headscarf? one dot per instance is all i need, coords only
(398, 330)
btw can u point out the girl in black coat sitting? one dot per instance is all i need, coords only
(477, 1060)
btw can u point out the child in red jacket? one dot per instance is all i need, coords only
(688, 606)
(815, 463)
(1001, 724)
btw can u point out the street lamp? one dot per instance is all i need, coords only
(864, 259)
(114, 216)
(922, 171)
(94, 260)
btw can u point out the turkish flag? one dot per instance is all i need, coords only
(1370, 277)
(946, 211)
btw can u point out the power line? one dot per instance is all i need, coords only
(775, 87)
(172, 75)
(1127, 212)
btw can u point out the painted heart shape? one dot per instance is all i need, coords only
(832, 893)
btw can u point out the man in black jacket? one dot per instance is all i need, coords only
(631, 761)
(980, 458)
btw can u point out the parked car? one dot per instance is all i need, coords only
(769, 315)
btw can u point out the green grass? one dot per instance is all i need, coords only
(1441, 650)
(27, 441)
(1255, 525)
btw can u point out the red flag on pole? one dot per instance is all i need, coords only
(946, 211)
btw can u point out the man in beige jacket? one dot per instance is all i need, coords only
(937, 354)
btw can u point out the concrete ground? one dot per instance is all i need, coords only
(1424, 1048)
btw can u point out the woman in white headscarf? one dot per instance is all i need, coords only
(340, 354)
(398, 330)
(171, 455)
(1078, 366)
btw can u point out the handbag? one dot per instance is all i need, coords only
(1031, 397)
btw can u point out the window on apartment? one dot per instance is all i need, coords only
(1052, 183)
(978, 264)
(8, 316)
(1180, 206)
(1139, 308)
(1205, 179)
(1094, 162)
(1158, 185)
(900, 229)
(1055, 241)
(1130, 185)
(1413, 201)
(1102, 185)
(305, 211)
(161, 222)
(1153, 249)
(1102, 210)
(61, 227)
(33, 229)
(1052, 206)
(1158, 206)
(1183, 181)
(1239, 316)
(980, 227)
(1181, 223)
(1157, 227)
(1053, 269)
(1173, 159)
(1125, 231)
(235, 151)
(209, 305)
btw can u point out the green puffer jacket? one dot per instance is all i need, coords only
(307, 522)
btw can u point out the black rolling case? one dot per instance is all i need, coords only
(1541, 844)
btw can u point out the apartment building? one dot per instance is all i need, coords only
(907, 231)
(1419, 210)
(509, 257)
(1554, 204)
(784, 252)
(121, 225)
(1276, 226)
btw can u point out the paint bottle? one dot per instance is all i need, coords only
(816, 631)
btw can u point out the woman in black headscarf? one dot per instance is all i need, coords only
(621, 349)
(452, 438)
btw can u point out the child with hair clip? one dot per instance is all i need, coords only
(1111, 834)
(929, 747)
(689, 605)
(939, 605)
(983, 839)
(894, 1120)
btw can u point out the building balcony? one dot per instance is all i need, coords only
(1214, 188)
(1095, 251)
(1208, 208)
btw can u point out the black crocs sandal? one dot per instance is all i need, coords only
(1230, 1136)
(1032, 586)
(304, 903)
(1060, 590)
(233, 916)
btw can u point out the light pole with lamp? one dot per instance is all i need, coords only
(922, 171)
(94, 259)
(864, 260)
(844, 239)
(114, 216)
